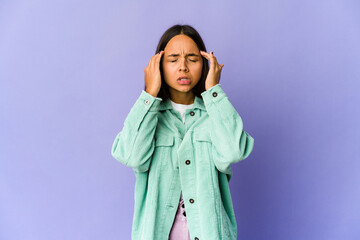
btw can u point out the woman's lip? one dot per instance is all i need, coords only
(184, 78)
(187, 81)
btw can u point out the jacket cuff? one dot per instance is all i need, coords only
(146, 103)
(213, 94)
(149, 102)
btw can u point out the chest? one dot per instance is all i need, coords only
(176, 140)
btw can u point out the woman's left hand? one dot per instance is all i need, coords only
(214, 74)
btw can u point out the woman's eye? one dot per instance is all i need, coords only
(191, 60)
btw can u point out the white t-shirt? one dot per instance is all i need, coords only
(181, 108)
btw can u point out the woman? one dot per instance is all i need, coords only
(180, 138)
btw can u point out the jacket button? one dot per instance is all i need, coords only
(147, 102)
(184, 214)
(196, 238)
(214, 94)
(192, 113)
(183, 206)
(191, 200)
(187, 162)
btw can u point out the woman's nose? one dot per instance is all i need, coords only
(183, 66)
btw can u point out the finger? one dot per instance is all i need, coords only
(159, 55)
(215, 60)
(153, 60)
(158, 58)
(205, 54)
(210, 57)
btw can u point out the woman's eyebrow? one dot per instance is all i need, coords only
(189, 54)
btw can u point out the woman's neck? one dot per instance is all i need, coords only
(185, 98)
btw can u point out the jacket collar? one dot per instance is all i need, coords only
(198, 103)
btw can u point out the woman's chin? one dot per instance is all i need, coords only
(184, 88)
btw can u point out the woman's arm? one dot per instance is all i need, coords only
(134, 145)
(231, 143)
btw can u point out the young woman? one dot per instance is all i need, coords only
(180, 138)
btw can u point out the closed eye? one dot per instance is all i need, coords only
(191, 60)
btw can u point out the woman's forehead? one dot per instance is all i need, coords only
(181, 44)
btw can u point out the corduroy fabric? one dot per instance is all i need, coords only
(168, 157)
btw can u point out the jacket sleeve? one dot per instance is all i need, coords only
(231, 143)
(134, 145)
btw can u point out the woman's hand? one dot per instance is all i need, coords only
(153, 75)
(214, 74)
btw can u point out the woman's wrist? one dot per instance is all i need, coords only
(151, 92)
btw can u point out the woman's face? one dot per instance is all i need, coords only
(181, 60)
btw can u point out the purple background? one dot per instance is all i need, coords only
(71, 70)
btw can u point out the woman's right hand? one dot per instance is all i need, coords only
(153, 75)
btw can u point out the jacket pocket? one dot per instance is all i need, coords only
(203, 146)
(202, 136)
(163, 149)
(164, 141)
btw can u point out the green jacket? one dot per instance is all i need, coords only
(168, 156)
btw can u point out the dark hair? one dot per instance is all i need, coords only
(195, 36)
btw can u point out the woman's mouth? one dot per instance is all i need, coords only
(184, 80)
